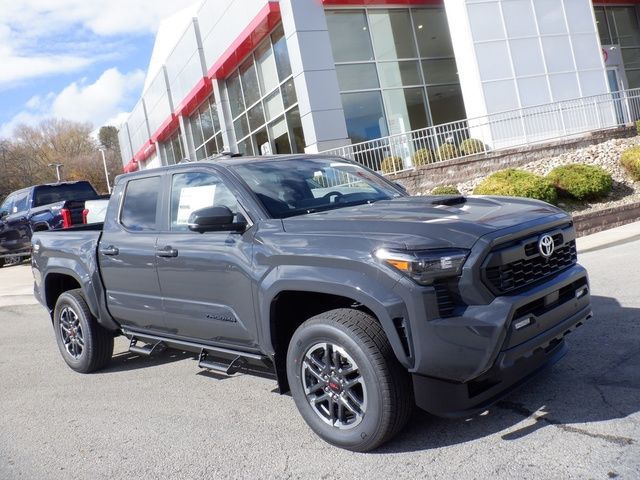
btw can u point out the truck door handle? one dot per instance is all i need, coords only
(167, 252)
(110, 250)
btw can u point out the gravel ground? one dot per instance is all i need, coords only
(605, 155)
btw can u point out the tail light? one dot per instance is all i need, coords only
(85, 215)
(66, 218)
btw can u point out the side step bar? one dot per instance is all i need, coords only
(219, 359)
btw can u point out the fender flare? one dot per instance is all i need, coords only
(374, 294)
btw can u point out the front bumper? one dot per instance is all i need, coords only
(512, 367)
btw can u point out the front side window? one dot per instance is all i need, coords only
(140, 205)
(21, 202)
(307, 185)
(195, 190)
(7, 206)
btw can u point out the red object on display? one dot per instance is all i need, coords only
(85, 215)
(66, 217)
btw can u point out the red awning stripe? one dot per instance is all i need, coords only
(250, 37)
(195, 97)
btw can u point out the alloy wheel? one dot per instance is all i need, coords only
(71, 333)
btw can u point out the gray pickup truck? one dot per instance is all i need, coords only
(360, 300)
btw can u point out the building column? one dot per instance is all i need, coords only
(314, 75)
(224, 115)
(187, 141)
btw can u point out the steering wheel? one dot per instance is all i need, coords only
(331, 194)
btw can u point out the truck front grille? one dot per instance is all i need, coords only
(527, 265)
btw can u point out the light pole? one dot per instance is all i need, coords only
(106, 173)
(58, 169)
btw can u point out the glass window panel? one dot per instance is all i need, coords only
(493, 60)
(392, 34)
(245, 147)
(295, 127)
(364, 115)
(289, 93)
(612, 25)
(240, 127)
(432, 32)
(564, 86)
(440, 71)
(234, 91)
(485, 21)
(446, 104)
(397, 74)
(211, 147)
(280, 135)
(273, 105)
(603, 28)
(631, 57)
(518, 18)
(214, 116)
(206, 121)
(262, 142)
(627, 25)
(633, 78)
(220, 143)
(357, 77)
(281, 52)
(140, 204)
(406, 110)
(249, 82)
(557, 53)
(201, 153)
(527, 57)
(266, 64)
(256, 116)
(196, 129)
(349, 34)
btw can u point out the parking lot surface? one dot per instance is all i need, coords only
(164, 418)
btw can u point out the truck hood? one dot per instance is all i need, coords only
(423, 222)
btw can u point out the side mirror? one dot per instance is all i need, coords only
(215, 219)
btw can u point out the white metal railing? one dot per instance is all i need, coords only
(495, 132)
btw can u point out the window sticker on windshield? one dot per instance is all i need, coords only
(192, 199)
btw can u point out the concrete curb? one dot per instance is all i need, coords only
(609, 238)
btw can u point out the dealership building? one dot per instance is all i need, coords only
(264, 77)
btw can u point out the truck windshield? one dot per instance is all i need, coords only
(47, 194)
(307, 185)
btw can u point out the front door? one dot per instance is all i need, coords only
(127, 256)
(205, 278)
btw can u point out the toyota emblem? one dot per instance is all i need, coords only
(546, 245)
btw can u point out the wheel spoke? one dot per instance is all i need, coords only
(355, 400)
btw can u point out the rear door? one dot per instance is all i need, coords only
(127, 255)
(18, 222)
(205, 277)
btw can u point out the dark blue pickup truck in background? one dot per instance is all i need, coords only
(38, 208)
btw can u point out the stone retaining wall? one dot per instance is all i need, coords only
(423, 179)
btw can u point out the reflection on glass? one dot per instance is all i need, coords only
(603, 28)
(397, 74)
(446, 103)
(289, 93)
(364, 115)
(206, 121)
(442, 70)
(256, 116)
(349, 34)
(357, 76)
(406, 110)
(240, 127)
(280, 136)
(196, 130)
(262, 142)
(273, 105)
(266, 65)
(249, 82)
(626, 22)
(295, 127)
(432, 32)
(392, 34)
(234, 91)
(282, 55)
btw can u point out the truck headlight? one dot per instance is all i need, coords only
(424, 266)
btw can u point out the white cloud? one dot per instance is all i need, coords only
(39, 38)
(99, 103)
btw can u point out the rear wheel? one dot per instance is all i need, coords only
(84, 344)
(346, 381)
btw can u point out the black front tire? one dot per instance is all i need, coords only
(383, 401)
(85, 345)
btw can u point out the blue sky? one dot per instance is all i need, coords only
(84, 60)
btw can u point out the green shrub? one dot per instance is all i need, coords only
(422, 157)
(445, 190)
(447, 151)
(518, 183)
(630, 160)
(580, 181)
(391, 164)
(638, 127)
(471, 146)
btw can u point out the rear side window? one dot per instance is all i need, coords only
(66, 191)
(140, 204)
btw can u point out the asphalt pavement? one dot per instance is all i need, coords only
(164, 418)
